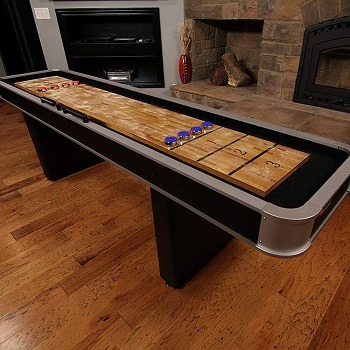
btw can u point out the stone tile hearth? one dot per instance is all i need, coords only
(244, 101)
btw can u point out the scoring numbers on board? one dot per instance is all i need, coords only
(274, 164)
(241, 152)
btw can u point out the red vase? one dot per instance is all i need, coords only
(185, 69)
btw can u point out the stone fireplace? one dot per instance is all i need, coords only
(265, 35)
(213, 38)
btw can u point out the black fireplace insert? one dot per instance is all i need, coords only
(324, 70)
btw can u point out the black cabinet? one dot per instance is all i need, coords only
(20, 47)
(123, 45)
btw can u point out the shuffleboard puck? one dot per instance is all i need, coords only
(42, 88)
(207, 125)
(170, 140)
(183, 135)
(196, 130)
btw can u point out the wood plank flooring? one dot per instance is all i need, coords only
(79, 270)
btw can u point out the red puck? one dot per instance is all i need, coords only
(42, 88)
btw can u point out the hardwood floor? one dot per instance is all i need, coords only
(79, 270)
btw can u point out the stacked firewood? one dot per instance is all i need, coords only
(231, 73)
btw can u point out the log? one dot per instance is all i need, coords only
(236, 75)
(218, 76)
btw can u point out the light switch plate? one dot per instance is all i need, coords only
(42, 13)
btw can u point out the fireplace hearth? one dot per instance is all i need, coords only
(324, 71)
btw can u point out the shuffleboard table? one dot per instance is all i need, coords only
(213, 176)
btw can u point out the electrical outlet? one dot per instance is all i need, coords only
(42, 13)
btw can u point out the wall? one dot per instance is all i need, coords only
(171, 15)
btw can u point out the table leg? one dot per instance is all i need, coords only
(185, 241)
(59, 156)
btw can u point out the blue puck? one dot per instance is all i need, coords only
(183, 135)
(170, 140)
(196, 130)
(207, 125)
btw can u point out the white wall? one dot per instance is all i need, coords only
(171, 15)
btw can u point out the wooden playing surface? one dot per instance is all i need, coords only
(249, 162)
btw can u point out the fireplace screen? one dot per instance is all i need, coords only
(324, 70)
(334, 68)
